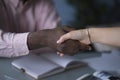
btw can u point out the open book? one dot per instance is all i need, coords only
(43, 65)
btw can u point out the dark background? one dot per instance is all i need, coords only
(82, 13)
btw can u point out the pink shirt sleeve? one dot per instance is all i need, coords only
(13, 45)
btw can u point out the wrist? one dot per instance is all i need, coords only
(85, 36)
(89, 35)
(94, 34)
(35, 40)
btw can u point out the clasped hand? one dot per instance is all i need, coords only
(49, 38)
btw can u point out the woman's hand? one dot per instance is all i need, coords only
(81, 35)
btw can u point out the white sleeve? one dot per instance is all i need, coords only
(13, 44)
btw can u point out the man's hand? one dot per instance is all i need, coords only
(49, 38)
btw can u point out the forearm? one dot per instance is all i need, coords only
(44, 38)
(37, 39)
(109, 36)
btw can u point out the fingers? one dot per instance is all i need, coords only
(63, 38)
(60, 54)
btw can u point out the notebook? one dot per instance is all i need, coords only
(44, 65)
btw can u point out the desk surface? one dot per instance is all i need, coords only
(8, 71)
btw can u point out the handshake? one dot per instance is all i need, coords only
(49, 37)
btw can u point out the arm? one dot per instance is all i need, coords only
(109, 36)
(19, 44)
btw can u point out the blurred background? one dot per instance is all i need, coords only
(81, 13)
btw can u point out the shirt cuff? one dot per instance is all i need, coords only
(20, 44)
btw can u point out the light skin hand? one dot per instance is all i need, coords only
(63, 38)
(81, 35)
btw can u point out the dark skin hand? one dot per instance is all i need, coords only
(48, 38)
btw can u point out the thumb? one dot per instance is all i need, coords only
(63, 38)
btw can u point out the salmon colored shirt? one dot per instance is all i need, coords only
(17, 19)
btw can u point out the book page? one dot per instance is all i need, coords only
(36, 66)
(63, 61)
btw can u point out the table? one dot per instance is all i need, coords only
(11, 73)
